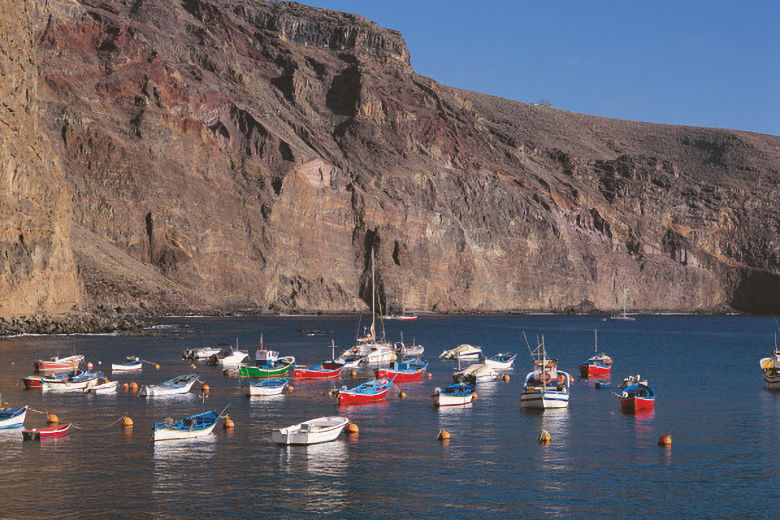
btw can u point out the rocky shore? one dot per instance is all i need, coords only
(100, 320)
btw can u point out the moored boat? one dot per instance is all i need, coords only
(545, 387)
(403, 371)
(47, 432)
(453, 395)
(58, 365)
(71, 384)
(598, 365)
(501, 361)
(463, 351)
(35, 382)
(191, 427)
(102, 386)
(177, 385)
(12, 418)
(267, 364)
(131, 364)
(203, 352)
(315, 431)
(273, 386)
(636, 395)
(228, 357)
(368, 392)
(476, 373)
(325, 370)
(770, 366)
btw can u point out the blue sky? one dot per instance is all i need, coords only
(714, 64)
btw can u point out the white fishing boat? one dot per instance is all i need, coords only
(453, 395)
(229, 356)
(273, 386)
(131, 364)
(192, 427)
(476, 373)
(71, 384)
(545, 387)
(202, 352)
(323, 429)
(770, 366)
(464, 351)
(177, 385)
(501, 361)
(12, 417)
(102, 386)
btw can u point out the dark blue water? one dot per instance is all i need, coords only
(601, 462)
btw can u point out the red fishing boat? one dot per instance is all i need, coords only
(403, 371)
(368, 392)
(325, 370)
(636, 396)
(599, 365)
(48, 432)
(57, 365)
(36, 382)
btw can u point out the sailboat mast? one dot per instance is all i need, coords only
(373, 297)
(596, 341)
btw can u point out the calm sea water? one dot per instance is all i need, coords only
(601, 462)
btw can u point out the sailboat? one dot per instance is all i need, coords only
(546, 386)
(622, 316)
(368, 348)
(403, 316)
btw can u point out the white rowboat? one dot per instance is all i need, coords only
(323, 429)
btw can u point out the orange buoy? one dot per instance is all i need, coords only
(193, 367)
(127, 422)
(229, 424)
(505, 377)
(544, 437)
(133, 386)
(402, 394)
(352, 428)
(205, 388)
(290, 388)
(125, 387)
(157, 366)
(429, 375)
(89, 365)
(353, 374)
(474, 397)
(444, 435)
(52, 419)
(665, 440)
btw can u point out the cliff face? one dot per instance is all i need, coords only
(37, 271)
(227, 154)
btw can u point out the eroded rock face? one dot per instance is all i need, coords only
(37, 271)
(230, 154)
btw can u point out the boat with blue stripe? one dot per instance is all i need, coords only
(12, 418)
(191, 427)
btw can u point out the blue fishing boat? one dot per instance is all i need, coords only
(198, 425)
(459, 393)
(410, 369)
(501, 361)
(368, 392)
(267, 387)
(12, 418)
(177, 385)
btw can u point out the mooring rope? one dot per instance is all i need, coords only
(81, 427)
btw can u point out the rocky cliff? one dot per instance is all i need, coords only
(226, 154)
(37, 271)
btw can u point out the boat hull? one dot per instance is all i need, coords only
(127, 367)
(321, 430)
(541, 399)
(400, 376)
(50, 432)
(13, 418)
(321, 371)
(266, 389)
(104, 388)
(772, 381)
(356, 396)
(245, 371)
(163, 389)
(165, 434)
(594, 371)
(636, 404)
(58, 366)
(451, 400)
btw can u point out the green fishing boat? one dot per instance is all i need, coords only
(268, 364)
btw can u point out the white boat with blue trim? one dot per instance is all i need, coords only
(194, 426)
(323, 429)
(545, 387)
(12, 418)
(177, 385)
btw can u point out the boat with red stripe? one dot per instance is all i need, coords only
(403, 371)
(636, 395)
(368, 392)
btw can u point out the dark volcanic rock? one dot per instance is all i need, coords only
(228, 154)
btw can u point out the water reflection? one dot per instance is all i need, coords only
(178, 464)
(325, 467)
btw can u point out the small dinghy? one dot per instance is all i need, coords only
(411, 369)
(476, 373)
(102, 386)
(273, 386)
(58, 365)
(501, 361)
(194, 426)
(48, 432)
(228, 357)
(323, 429)
(636, 395)
(36, 382)
(202, 352)
(12, 418)
(368, 392)
(599, 364)
(464, 351)
(459, 393)
(71, 384)
(131, 364)
(325, 370)
(177, 385)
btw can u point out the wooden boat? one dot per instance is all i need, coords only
(12, 418)
(636, 395)
(58, 365)
(267, 364)
(315, 431)
(476, 373)
(194, 426)
(273, 386)
(102, 386)
(501, 361)
(325, 370)
(410, 369)
(71, 384)
(203, 352)
(229, 356)
(177, 385)
(464, 351)
(545, 387)
(770, 366)
(598, 365)
(47, 432)
(36, 382)
(131, 364)
(368, 392)
(453, 395)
